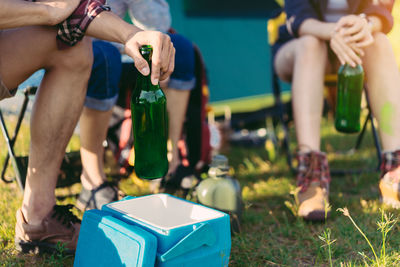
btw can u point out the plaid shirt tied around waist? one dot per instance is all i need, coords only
(73, 29)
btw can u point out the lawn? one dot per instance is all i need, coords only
(271, 234)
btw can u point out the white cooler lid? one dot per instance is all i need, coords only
(165, 211)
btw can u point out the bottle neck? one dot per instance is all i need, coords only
(145, 81)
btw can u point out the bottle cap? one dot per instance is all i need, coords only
(219, 161)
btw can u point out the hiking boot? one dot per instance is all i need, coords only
(389, 184)
(59, 226)
(94, 199)
(312, 191)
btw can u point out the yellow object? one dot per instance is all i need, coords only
(273, 27)
(131, 158)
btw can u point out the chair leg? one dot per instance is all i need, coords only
(374, 131)
(361, 135)
(11, 141)
(11, 154)
(376, 142)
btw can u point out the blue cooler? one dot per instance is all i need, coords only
(154, 230)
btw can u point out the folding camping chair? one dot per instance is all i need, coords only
(70, 167)
(330, 80)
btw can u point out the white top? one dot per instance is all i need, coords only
(336, 9)
(145, 14)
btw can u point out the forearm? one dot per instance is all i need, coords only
(108, 26)
(14, 13)
(317, 28)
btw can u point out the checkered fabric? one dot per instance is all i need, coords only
(390, 161)
(74, 27)
(312, 167)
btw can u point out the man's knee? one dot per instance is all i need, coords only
(311, 46)
(78, 58)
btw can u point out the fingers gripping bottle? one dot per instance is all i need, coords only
(150, 125)
(348, 103)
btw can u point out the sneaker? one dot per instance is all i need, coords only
(59, 226)
(389, 184)
(312, 191)
(96, 198)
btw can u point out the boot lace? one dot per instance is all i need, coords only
(390, 161)
(63, 214)
(313, 167)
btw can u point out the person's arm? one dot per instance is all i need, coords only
(380, 15)
(320, 29)
(19, 13)
(110, 27)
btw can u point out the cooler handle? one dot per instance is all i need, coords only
(202, 235)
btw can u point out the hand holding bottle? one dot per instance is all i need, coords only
(356, 29)
(163, 58)
(351, 34)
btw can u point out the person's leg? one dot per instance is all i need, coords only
(303, 62)
(56, 110)
(101, 96)
(93, 130)
(383, 81)
(177, 91)
(177, 101)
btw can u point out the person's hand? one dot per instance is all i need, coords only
(350, 35)
(386, 2)
(59, 10)
(345, 52)
(355, 29)
(163, 59)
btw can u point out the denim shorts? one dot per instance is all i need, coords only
(104, 81)
(183, 76)
(103, 84)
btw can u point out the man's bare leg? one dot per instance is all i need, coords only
(57, 107)
(177, 101)
(93, 130)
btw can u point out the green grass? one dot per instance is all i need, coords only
(271, 234)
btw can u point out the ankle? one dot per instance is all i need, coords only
(90, 184)
(34, 215)
(390, 161)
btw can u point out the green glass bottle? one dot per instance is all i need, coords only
(348, 102)
(150, 125)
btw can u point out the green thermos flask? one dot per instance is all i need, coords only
(150, 125)
(221, 191)
(348, 102)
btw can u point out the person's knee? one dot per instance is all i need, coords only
(77, 59)
(311, 46)
(381, 44)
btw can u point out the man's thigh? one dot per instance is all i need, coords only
(23, 51)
